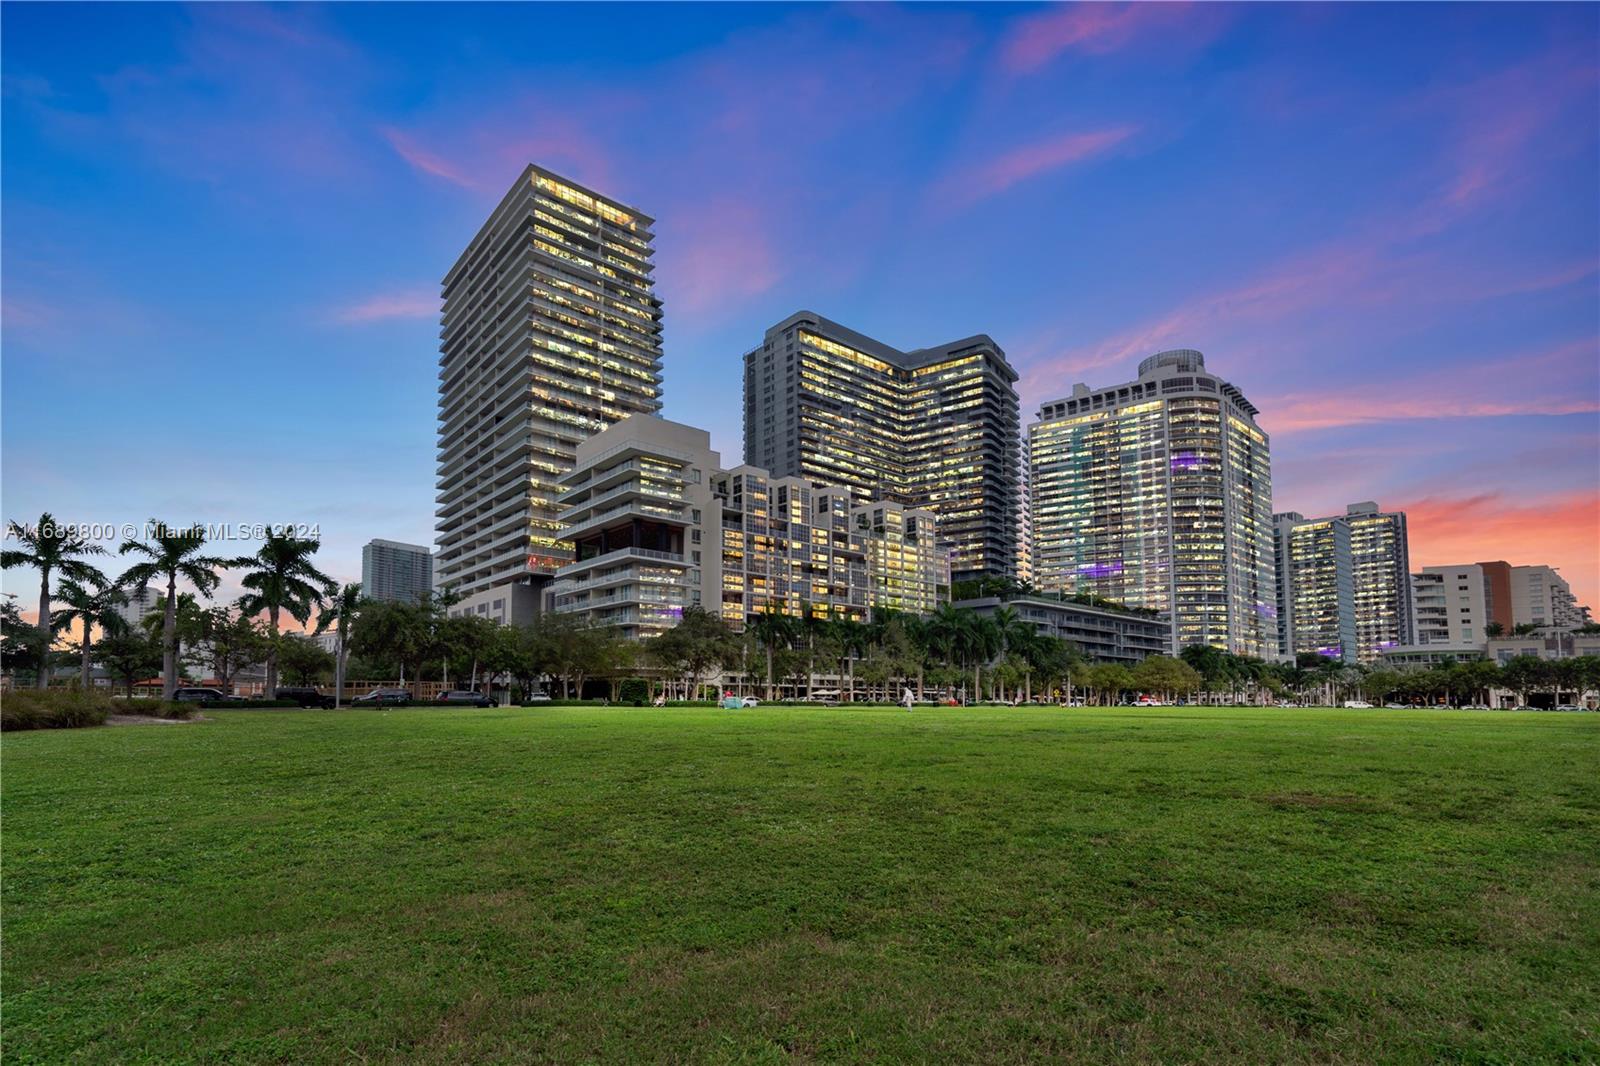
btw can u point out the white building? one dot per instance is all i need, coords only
(1157, 493)
(396, 572)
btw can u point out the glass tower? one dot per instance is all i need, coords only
(935, 428)
(1157, 493)
(551, 332)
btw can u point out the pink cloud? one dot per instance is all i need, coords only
(1556, 382)
(387, 306)
(1096, 29)
(424, 160)
(719, 252)
(1028, 161)
(1559, 529)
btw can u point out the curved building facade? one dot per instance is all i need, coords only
(1158, 493)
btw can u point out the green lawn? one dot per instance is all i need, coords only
(685, 884)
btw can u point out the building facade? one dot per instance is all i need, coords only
(1157, 493)
(139, 606)
(658, 526)
(1100, 633)
(396, 572)
(1541, 596)
(1455, 605)
(551, 332)
(935, 428)
(1380, 550)
(1315, 587)
(638, 511)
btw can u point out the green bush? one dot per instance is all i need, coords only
(635, 691)
(54, 709)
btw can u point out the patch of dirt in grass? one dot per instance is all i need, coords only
(145, 719)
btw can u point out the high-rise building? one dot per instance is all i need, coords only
(551, 332)
(139, 605)
(1377, 614)
(1540, 596)
(658, 526)
(1381, 552)
(396, 572)
(1315, 587)
(934, 428)
(1158, 493)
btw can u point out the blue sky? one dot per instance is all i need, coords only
(224, 228)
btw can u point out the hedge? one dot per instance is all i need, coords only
(75, 709)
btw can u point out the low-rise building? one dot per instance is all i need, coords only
(1545, 644)
(1103, 633)
(658, 526)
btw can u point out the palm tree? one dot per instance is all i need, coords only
(340, 612)
(283, 580)
(92, 605)
(772, 627)
(50, 548)
(171, 554)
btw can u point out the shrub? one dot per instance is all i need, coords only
(635, 691)
(57, 709)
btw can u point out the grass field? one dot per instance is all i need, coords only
(686, 884)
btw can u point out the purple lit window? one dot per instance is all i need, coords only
(1187, 460)
(1100, 569)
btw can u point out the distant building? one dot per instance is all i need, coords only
(1380, 550)
(396, 572)
(551, 331)
(934, 428)
(1157, 493)
(1102, 633)
(1315, 587)
(139, 605)
(1455, 605)
(1540, 596)
(1549, 644)
(657, 527)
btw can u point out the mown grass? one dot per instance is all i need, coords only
(606, 884)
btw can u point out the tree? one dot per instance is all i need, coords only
(225, 640)
(170, 554)
(773, 629)
(303, 660)
(50, 549)
(283, 580)
(395, 635)
(1494, 630)
(94, 605)
(1525, 629)
(1522, 675)
(131, 655)
(22, 646)
(340, 612)
(1165, 676)
(699, 642)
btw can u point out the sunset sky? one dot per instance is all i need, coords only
(224, 230)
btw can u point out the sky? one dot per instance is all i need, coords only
(224, 229)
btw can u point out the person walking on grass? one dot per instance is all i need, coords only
(908, 699)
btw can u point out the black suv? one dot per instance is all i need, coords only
(464, 698)
(198, 695)
(305, 697)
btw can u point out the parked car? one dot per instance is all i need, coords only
(383, 697)
(304, 696)
(463, 698)
(749, 701)
(199, 695)
(536, 697)
(1358, 704)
